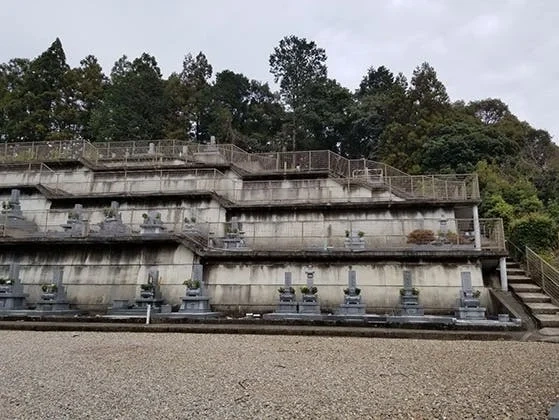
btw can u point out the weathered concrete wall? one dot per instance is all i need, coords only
(97, 274)
(253, 287)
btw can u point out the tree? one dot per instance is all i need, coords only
(427, 92)
(297, 63)
(134, 105)
(489, 111)
(190, 98)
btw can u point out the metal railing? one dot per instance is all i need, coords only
(267, 235)
(543, 274)
(155, 152)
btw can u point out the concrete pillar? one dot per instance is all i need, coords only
(503, 273)
(477, 233)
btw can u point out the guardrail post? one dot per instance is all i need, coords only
(477, 232)
(503, 273)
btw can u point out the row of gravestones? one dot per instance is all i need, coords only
(468, 305)
(53, 296)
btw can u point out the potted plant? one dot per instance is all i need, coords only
(283, 290)
(361, 234)
(413, 291)
(309, 290)
(110, 212)
(347, 233)
(421, 237)
(147, 290)
(49, 288)
(357, 291)
(476, 294)
(192, 287)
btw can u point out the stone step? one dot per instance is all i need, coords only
(533, 297)
(513, 264)
(543, 308)
(548, 320)
(525, 288)
(518, 271)
(518, 278)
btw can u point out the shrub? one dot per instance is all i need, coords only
(286, 290)
(192, 284)
(357, 291)
(309, 291)
(421, 236)
(537, 231)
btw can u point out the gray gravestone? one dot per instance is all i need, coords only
(468, 303)
(150, 293)
(152, 223)
(352, 297)
(12, 216)
(112, 225)
(75, 224)
(234, 237)
(287, 302)
(309, 303)
(354, 242)
(409, 298)
(11, 291)
(195, 302)
(53, 298)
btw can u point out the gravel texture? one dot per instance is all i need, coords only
(47, 375)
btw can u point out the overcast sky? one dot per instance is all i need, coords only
(480, 48)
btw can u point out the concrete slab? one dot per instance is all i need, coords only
(525, 288)
(548, 320)
(549, 331)
(534, 297)
(543, 308)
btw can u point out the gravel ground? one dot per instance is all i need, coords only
(46, 375)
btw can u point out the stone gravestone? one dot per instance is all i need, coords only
(53, 297)
(152, 223)
(409, 298)
(234, 236)
(309, 303)
(354, 241)
(112, 225)
(11, 291)
(352, 297)
(150, 293)
(468, 303)
(76, 225)
(12, 216)
(195, 301)
(287, 302)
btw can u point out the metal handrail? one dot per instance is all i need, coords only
(543, 274)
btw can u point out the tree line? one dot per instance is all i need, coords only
(412, 125)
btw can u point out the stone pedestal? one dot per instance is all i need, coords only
(11, 215)
(354, 242)
(468, 302)
(352, 297)
(75, 224)
(53, 298)
(287, 302)
(309, 306)
(152, 223)
(409, 298)
(12, 297)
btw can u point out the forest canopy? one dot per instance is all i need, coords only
(410, 124)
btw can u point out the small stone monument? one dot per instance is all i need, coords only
(409, 298)
(352, 297)
(354, 241)
(11, 291)
(468, 302)
(195, 300)
(76, 225)
(234, 235)
(152, 223)
(12, 216)
(287, 302)
(53, 298)
(150, 293)
(309, 303)
(112, 225)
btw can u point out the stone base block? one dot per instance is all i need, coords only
(195, 304)
(9, 302)
(309, 308)
(52, 306)
(352, 309)
(470, 313)
(411, 310)
(287, 308)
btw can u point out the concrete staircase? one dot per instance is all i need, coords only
(532, 296)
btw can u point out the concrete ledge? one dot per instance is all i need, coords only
(259, 329)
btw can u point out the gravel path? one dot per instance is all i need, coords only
(47, 375)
